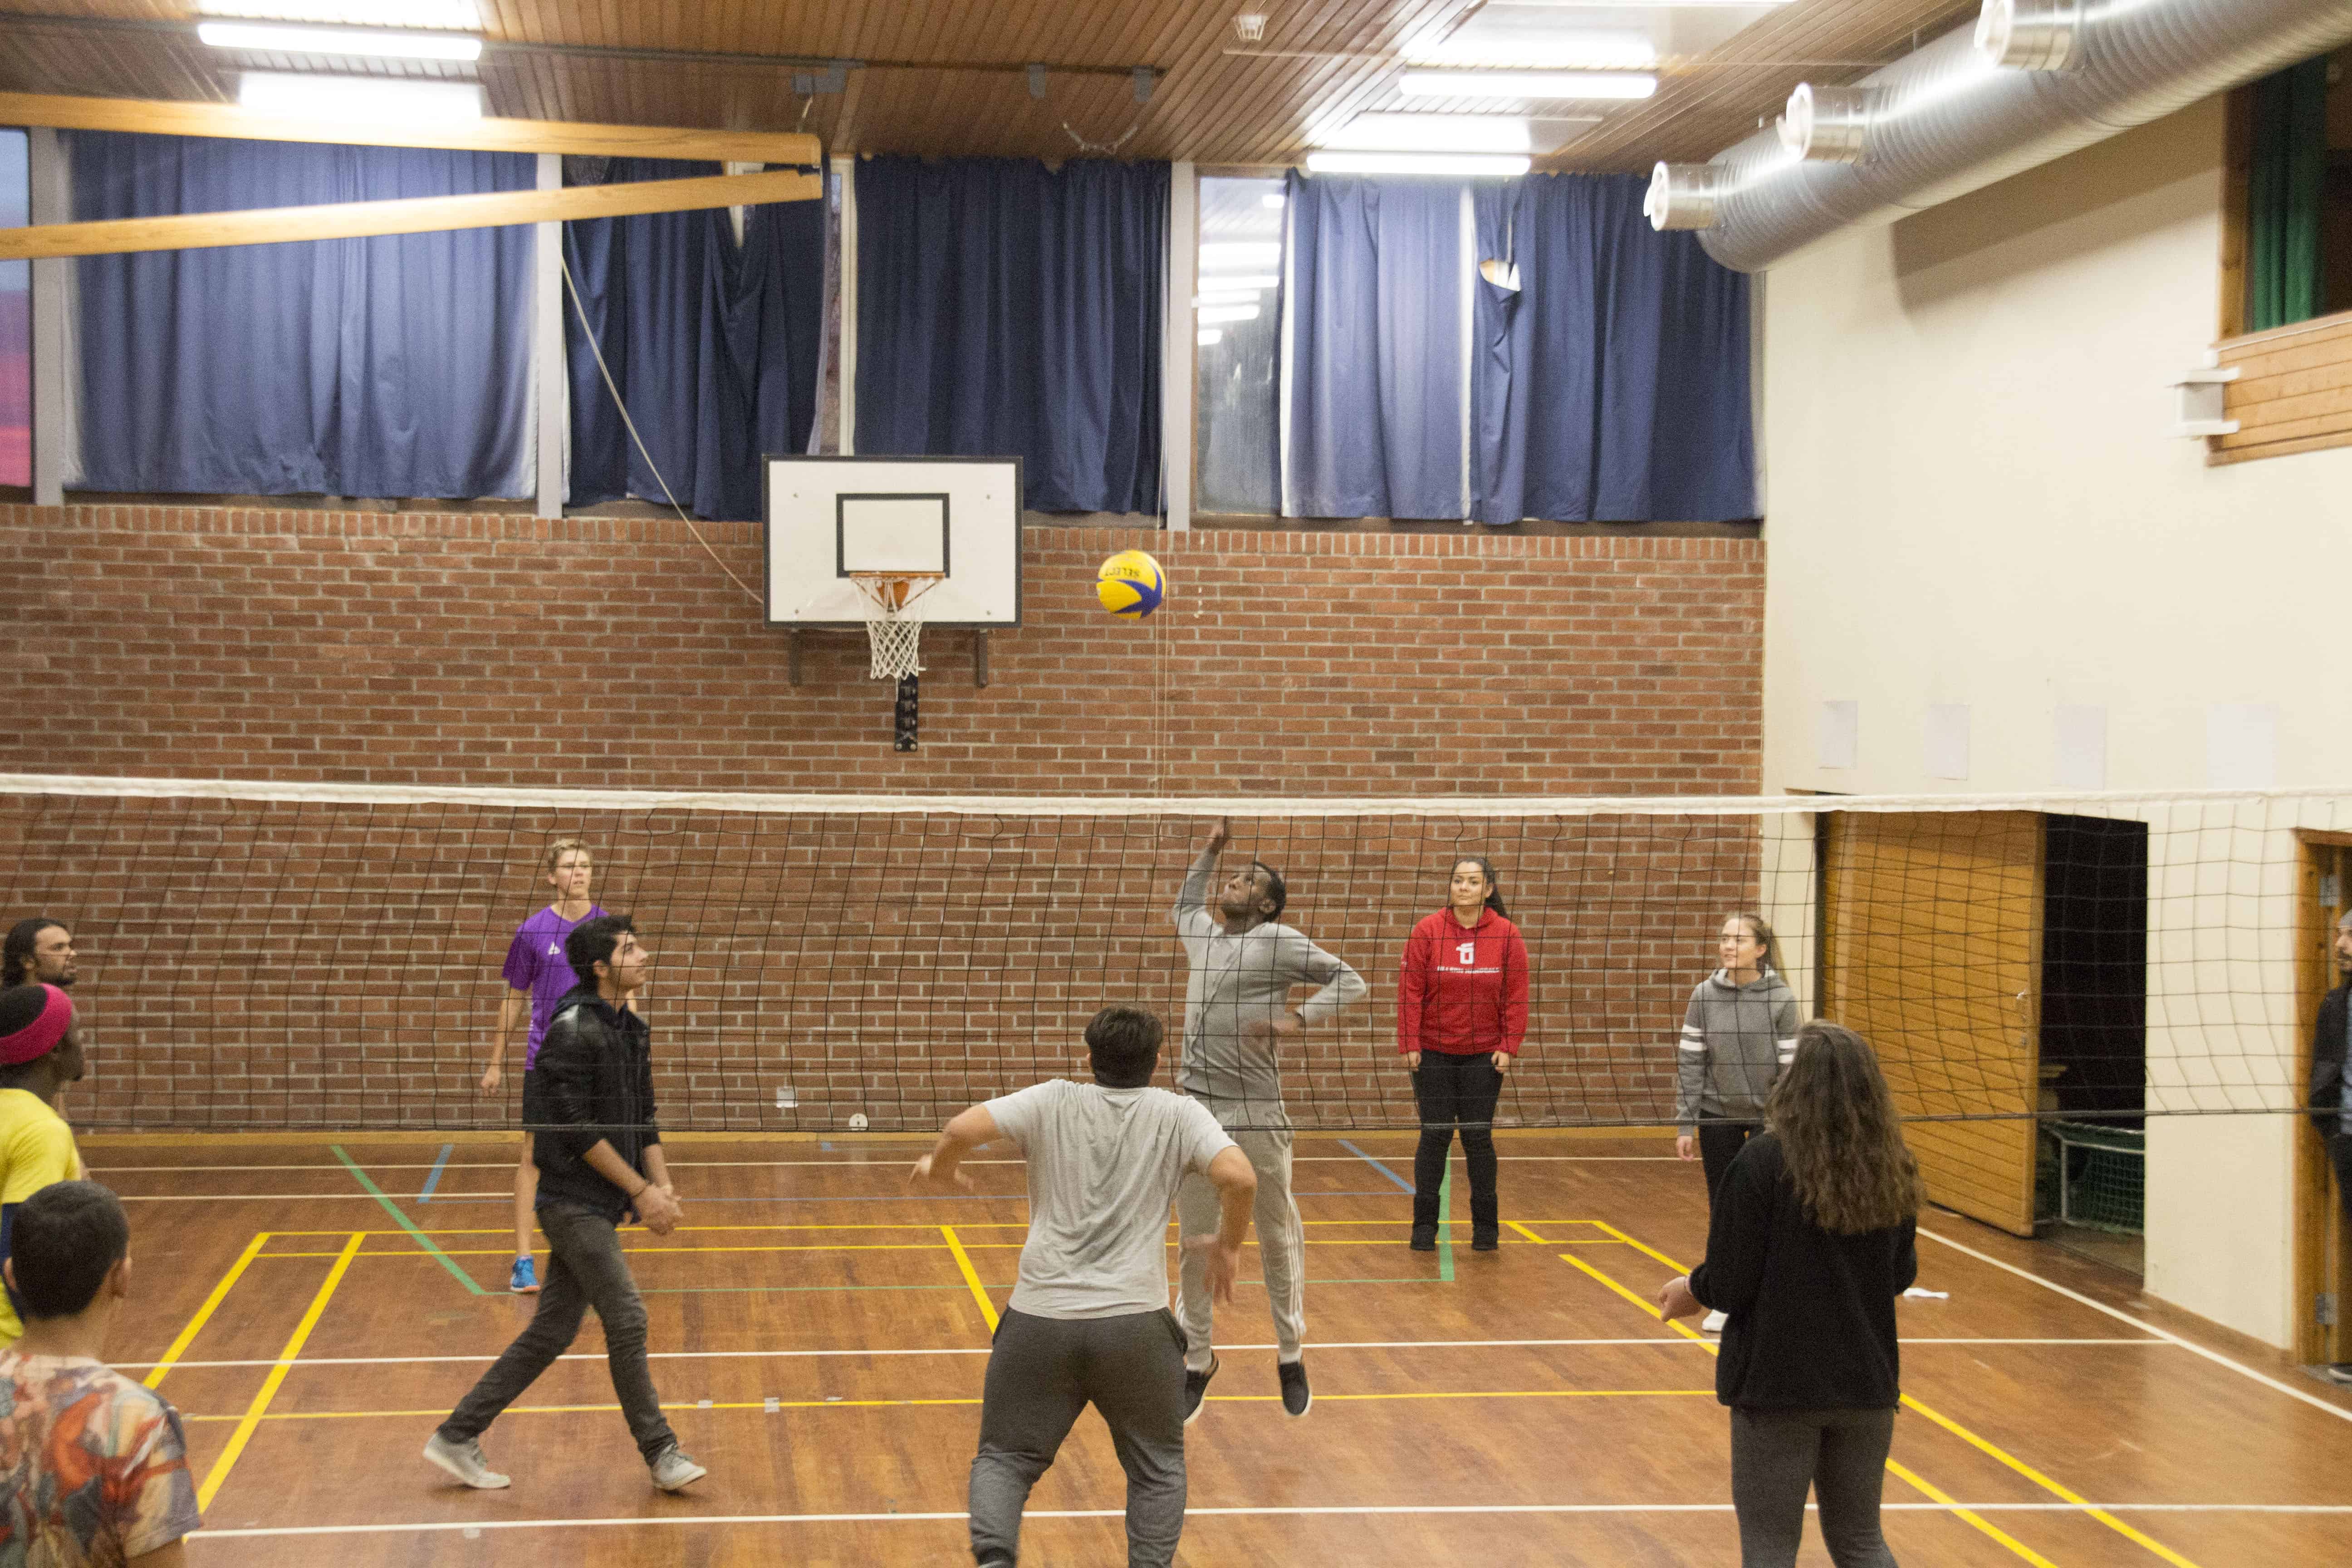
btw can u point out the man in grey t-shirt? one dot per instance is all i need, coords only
(1244, 962)
(1088, 1322)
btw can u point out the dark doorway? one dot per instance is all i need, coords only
(2094, 967)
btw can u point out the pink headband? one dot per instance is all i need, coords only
(39, 1037)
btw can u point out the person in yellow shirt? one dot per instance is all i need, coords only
(39, 1055)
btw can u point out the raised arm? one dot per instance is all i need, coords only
(1192, 912)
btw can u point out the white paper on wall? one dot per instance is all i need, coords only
(2079, 744)
(1946, 755)
(2240, 746)
(1837, 741)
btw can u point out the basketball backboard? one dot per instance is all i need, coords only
(828, 518)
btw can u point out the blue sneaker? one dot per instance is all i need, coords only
(524, 1281)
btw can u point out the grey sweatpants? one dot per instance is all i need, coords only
(1281, 1237)
(1042, 1373)
(1840, 1454)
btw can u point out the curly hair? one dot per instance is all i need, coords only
(1840, 1136)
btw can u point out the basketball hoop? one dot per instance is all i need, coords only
(895, 632)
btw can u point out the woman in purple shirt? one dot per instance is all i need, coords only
(537, 976)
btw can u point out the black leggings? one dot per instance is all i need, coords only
(1450, 1089)
(1839, 1455)
(1718, 1143)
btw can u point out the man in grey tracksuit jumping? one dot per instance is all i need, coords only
(1236, 1013)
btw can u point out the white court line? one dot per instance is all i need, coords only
(1672, 1344)
(2339, 1411)
(893, 1164)
(446, 1527)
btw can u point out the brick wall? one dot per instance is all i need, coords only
(335, 966)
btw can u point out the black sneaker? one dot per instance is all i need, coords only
(2339, 1372)
(1486, 1241)
(1424, 1239)
(1196, 1390)
(1296, 1398)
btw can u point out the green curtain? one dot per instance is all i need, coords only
(2285, 282)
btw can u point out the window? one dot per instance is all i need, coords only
(15, 320)
(2292, 197)
(1237, 315)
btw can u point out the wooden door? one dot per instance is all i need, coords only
(2323, 1252)
(1932, 950)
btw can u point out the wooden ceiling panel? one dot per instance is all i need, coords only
(945, 77)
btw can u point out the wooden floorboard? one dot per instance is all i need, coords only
(820, 1350)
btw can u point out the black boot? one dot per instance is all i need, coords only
(1485, 1227)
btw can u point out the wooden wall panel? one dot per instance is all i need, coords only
(1933, 947)
(2293, 391)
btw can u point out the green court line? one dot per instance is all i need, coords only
(393, 1209)
(1445, 1223)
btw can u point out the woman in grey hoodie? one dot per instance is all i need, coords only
(1737, 1037)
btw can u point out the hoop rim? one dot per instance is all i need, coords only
(892, 592)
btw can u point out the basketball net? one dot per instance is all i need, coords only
(892, 628)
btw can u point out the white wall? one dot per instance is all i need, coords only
(1977, 500)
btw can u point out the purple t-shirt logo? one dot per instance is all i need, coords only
(535, 963)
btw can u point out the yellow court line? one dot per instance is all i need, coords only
(964, 1225)
(211, 1303)
(1641, 1246)
(2046, 1484)
(2136, 1537)
(271, 1384)
(762, 1405)
(970, 1277)
(1938, 1494)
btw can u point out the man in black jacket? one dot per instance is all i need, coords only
(2331, 1112)
(599, 1156)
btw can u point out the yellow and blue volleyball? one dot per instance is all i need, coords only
(1130, 583)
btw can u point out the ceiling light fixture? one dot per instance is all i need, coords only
(1239, 255)
(1380, 133)
(1208, 313)
(276, 39)
(300, 96)
(1563, 86)
(1222, 295)
(1208, 335)
(1418, 163)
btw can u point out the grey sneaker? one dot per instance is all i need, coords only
(465, 1462)
(674, 1472)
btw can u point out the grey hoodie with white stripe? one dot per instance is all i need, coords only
(1735, 1039)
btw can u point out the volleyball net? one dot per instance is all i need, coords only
(259, 956)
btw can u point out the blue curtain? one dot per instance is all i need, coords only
(714, 345)
(1375, 304)
(1613, 385)
(393, 366)
(1005, 308)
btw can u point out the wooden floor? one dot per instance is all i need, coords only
(314, 1309)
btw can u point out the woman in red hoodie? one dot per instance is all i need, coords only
(1462, 1010)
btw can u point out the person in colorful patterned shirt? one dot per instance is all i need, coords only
(537, 977)
(39, 1055)
(93, 1467)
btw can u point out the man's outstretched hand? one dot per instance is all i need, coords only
(1219, 836)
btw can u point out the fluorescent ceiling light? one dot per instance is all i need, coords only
(1430, 133)
(1220, 295)
(1208, 335)
(1227, 313)
(1271, 199)
(1240, 255)
(459, 16)
(1547, 85)
(272, 37)
(301, 96)
(1247, 280)
(1417, 163)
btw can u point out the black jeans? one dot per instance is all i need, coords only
(2339, 1154)
(1042, 1373)
(1451, 1090)
(1840, 1454)
(1719, 1143)
(584, 1269)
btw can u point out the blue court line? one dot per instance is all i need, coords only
(1375, 1165)
(432, 1179)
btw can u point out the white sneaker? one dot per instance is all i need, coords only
(465, 1462)
(674, 1472)
(1714, 1323)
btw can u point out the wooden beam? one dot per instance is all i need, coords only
(170, 118)
(416, 215)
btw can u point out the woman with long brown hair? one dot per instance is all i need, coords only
(1811, 1243)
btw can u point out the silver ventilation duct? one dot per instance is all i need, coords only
(2035, 80)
